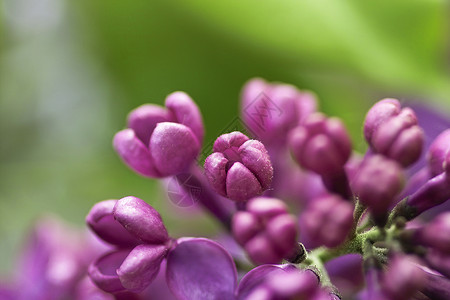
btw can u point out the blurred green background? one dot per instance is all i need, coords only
(71, 70)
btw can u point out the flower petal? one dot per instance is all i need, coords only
(173, 148)
(134, 153)
(103, 271)
(216, 172)
(254, 278)
(200, 269)
(141, 220)
(143, 120)
(101, 220)
(255, 157)
(141, 266)
(187, 113)
(241, 183)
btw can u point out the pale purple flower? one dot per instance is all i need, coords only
(239, 168)
(162, 142)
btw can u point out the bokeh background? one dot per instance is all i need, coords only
(71, 70)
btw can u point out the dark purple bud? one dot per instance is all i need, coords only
(394, 132)
(321, 145)
(436, 234)
(239, 168)
(161, 142)
(199, 268)
(141, 220)
(378, 181)
(101, 220)
(434, 192)
(326, 221)
(266, 230)
(271, 110)
(438, 153)
(403, 278)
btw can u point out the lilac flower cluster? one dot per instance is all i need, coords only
(314, 219)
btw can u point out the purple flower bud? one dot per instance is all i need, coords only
(271, 110)
(403, 278)
(321, 145)
(266, 230)
(161, 142)
(377, 183)
(434, 192)
(141, 220)
(326, 221)
(438, 153)
(394, 132)
(101, 220)
(436, 234)
(133, 270)
(239, 168)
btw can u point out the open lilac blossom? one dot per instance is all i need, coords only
(354, 214)
(271, 110)
(326, 221)
(239, 168)
(394, 132)
(266, 230)
(161, 142)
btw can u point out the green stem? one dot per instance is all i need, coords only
(357, 213)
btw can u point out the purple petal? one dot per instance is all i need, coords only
(229, 140)
(216, 172)
(101, 220)
(201, 269)
(266, 208)
(143, 120)
(141, 220)
(103, 271)
(254, 278)
(255, 157)
(134, 153)
(261, 250)
(245, 226)
(141, 266)
(379, 113)
(241, 183)
(173, 148)
(187, 113)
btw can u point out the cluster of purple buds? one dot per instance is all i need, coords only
(161, 142)
(266, 230)
(344, 207)
(239, 168)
